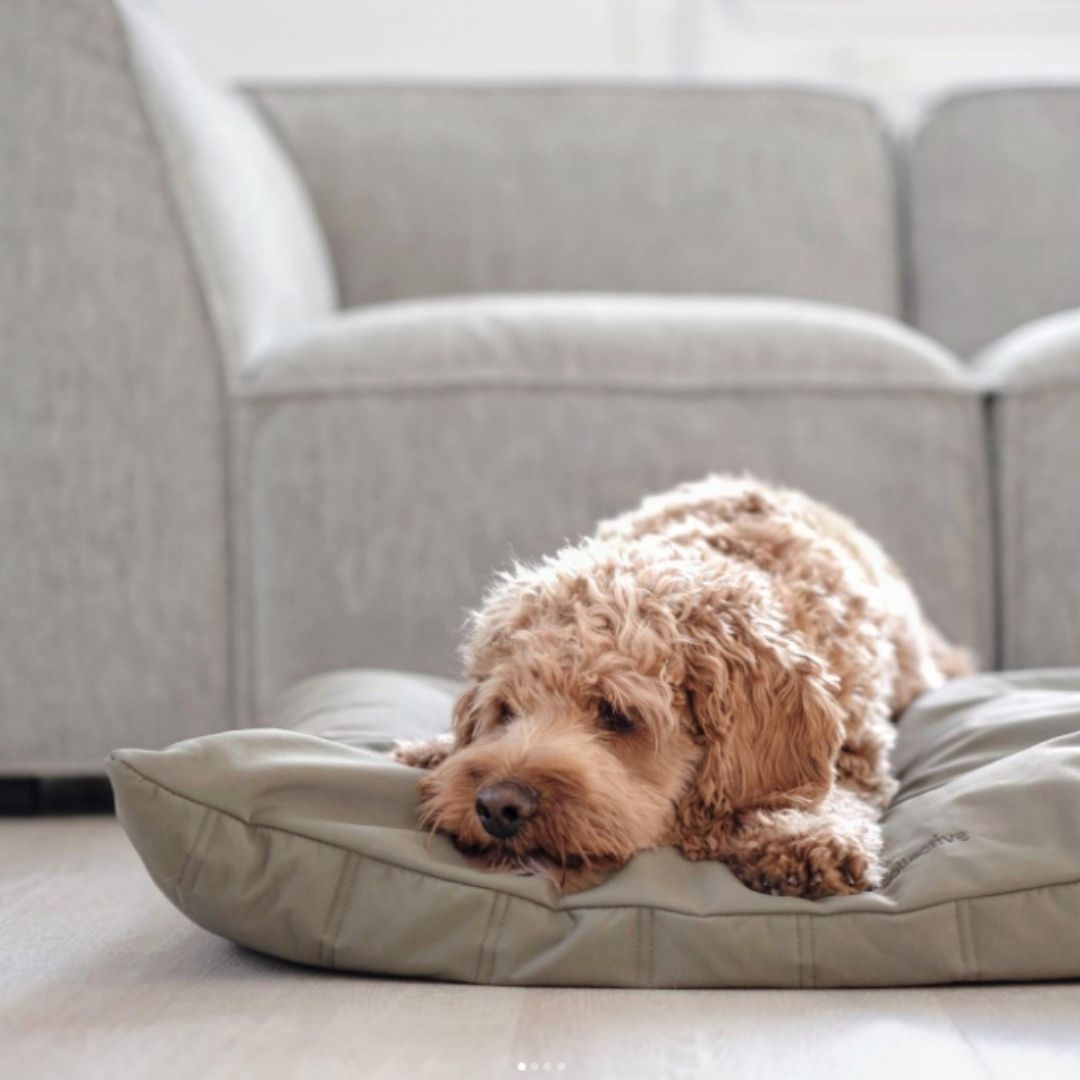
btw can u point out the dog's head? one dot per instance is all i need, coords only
(623, 697)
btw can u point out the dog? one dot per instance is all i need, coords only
(718, 670)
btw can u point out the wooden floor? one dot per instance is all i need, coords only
(100, 977)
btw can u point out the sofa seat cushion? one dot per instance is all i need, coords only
(599, 340)
(300, 841)
(390, 458)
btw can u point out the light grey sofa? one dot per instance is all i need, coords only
(289, 371)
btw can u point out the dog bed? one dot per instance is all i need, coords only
(299, 841)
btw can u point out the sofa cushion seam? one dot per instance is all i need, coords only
(269, 396)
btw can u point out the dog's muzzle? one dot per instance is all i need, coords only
(504, 807)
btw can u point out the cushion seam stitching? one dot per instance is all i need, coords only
(650, 922)
(972, 950)
(799, 950)
(331, 913)
(638, 971)
(483, 939)
(182, 885)
(965, 962)
(200, 859)
(354, 870)
(570, 911)
(298, 392)
(498, 937)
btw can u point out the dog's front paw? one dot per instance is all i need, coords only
(811, 866)
(424, 754)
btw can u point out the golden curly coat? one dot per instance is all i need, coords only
(717, 670)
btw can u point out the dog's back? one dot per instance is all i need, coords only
(838, 588)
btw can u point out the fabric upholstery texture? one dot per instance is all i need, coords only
(260, 252)
(217, 480)
(1034, 374)
(306, 848)
(427, 191)
(994, 218)
(113, 580)
(392, 459)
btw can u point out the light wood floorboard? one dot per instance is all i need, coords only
(101, 977)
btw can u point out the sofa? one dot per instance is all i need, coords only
(289, 370)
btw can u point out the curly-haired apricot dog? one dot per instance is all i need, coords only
(717, 670)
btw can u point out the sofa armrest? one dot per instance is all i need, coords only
(1040, 355)
(1034, 377)
(154, 237)
(391, 459)
(258, 248)
(113, 573)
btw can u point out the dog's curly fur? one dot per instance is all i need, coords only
(717, 670)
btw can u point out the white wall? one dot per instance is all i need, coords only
(899, 50)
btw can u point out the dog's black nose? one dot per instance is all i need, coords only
(502, 807)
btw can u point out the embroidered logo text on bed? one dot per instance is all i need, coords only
(897, 866)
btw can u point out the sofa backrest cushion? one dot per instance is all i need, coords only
(995, 213)
(428, 191)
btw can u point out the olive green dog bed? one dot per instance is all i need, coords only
(299, 841)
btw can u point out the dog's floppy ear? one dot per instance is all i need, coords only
(771, 728)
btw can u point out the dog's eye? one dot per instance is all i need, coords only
(506, 714)
(611, 719)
